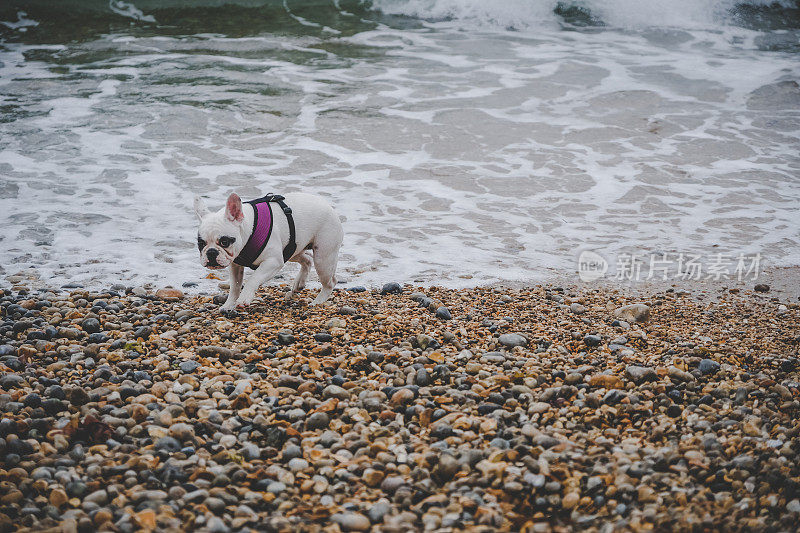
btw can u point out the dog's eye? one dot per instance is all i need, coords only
(226, 241)
(200, 243)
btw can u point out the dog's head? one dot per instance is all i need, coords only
(222, 234)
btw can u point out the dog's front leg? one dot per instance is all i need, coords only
(262, 274)
(236, 276)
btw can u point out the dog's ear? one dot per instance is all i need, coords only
(233, 208)
(200, 208)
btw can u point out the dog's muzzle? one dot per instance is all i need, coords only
(212, 254)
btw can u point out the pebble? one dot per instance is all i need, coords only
(292, 451)
(285, 338)
(99, 497)
(539, 407)
(677, 374)
(352, 521)
(378, 511)
(187, 367)
(169, 294)
(638, 312)
(168, 444)
(674, 411)
(401, 397)
(640, 374)
(181, 431)
(493, 358)
(215, 505)
(91, 325)
(606, 381)
(391, 288)
(216, 525)
(511, 340)
(317, 421)
(443, 313)
(334, 391)
(297, 464)
(592, 340)
(276, 487)
(446, 469)
(570, 500)
(391, 483)
(58, 497)
(372, 477)
(613, 397)
(708, 366)
(219, 352)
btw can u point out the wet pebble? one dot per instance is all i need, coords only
(391, 288)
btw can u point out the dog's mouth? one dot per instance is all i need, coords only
(213, 265)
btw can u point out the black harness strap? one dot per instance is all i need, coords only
(291, 247)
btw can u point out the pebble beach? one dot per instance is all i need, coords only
(400, 408)
(568, 293)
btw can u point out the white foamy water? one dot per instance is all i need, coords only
(522, 14)
(457, 153)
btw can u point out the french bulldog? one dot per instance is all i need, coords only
(224, 234)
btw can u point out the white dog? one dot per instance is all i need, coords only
(264, 234)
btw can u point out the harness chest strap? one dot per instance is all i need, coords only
(262, 230)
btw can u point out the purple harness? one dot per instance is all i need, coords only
(262, 229)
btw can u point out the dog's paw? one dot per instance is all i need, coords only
(229, 313)
(244, 300)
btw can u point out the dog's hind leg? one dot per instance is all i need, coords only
(325, 260)
(300, 281)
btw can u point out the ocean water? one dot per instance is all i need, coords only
(462, 141)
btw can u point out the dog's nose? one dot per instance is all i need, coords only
(212, 254)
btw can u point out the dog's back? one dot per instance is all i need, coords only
(315, 220)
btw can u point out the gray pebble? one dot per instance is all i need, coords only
(510, 340)
(317, 421)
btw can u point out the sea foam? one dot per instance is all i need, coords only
(454, 157)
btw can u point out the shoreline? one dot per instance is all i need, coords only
(529, 408)
(783, 283)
